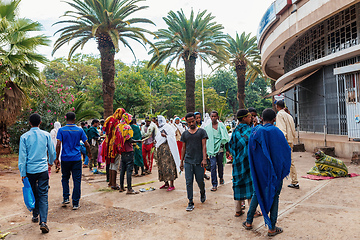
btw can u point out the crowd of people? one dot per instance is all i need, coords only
(259, 148)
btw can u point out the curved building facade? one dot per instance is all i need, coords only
(312, 49)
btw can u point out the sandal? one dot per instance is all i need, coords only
(243, 206)
(132, 192)
(164, 186)
(214, 189)
(115, 187)
(170, 189)
(247, 227)
(238, 214)
(122, 190)
(277, 231)
(257, 214)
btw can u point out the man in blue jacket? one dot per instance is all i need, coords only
(35, 146)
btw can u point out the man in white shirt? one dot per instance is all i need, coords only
(148, 132)
(285, 123)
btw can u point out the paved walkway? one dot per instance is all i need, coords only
(318, 210)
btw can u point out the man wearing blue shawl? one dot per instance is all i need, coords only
(270, 160)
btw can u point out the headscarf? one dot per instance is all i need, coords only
(170, 138)
(161, 121)
(123, 132)
(179, 126)
(197, 113)
(108, 150)
(124, 127)
(57, 125)
(207, 120)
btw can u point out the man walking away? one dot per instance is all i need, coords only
(270, 160)
(69, 138)
(93, 139)
(285, 123)
(35, 147)
(215, 144)
(194, 154)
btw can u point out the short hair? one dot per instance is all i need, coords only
(154, 118)
(281, 103)
(268, 115)
(102, 122)
(241, 114)
(189, 115)
(217, 114)
(70, 116)
(35, 119)
(251, 109)
(94, 121)
(82, 123)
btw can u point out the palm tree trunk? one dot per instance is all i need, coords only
(107, 54)
(190, 83)
(240, 70)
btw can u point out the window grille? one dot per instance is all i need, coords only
(332, 35)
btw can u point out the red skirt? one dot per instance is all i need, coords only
(180, 145)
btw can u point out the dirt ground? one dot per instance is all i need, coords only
(326, 209)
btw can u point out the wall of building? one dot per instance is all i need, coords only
(293, 24)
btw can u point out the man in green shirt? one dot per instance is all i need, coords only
(215, 144)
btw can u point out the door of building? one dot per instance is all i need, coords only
(352, 94)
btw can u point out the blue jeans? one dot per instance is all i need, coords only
(273, 210)
(190, 171)
(39, 184)
(217, 160)
(74, 168)
(126, 165)
(83, 151)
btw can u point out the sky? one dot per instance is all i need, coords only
(234, 15)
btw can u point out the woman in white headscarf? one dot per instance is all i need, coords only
(53, 134)
(167, 154)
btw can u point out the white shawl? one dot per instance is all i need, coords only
(170, 138)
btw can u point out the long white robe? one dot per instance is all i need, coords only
(170, 138)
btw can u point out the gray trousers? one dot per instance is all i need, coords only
(190, 171)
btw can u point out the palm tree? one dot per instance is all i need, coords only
(108, 22)
(82, 110)
(18, 60)
(245, 58)
(187, 39)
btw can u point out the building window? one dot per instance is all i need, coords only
(332, 35)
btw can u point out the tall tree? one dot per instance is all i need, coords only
(224, 82)
(187, 39)
(18, 60)
(109, 22)
(245, 58)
